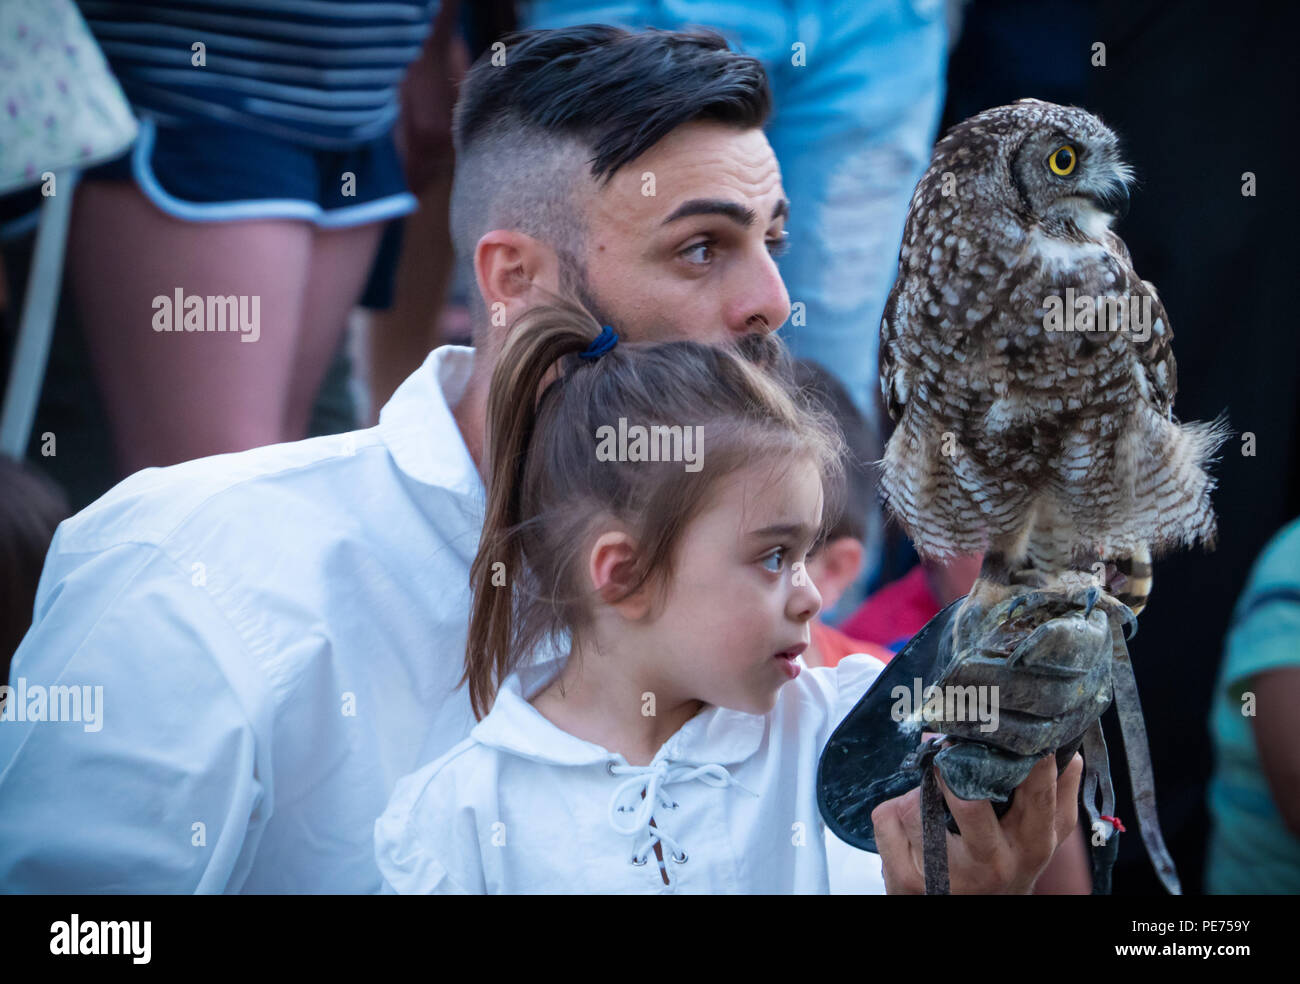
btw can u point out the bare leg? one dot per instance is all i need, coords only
(340, 263)
(401, 337)
(172, 396)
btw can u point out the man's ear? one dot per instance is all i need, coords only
(507, 264)
(612, 567)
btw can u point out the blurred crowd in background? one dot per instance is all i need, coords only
(233, 181)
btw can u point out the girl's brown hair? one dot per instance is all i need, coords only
(547, 489)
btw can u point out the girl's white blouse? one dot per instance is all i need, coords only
(521, 806)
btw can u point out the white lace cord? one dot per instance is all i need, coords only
(648, 782)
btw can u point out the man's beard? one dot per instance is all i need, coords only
(573, 281)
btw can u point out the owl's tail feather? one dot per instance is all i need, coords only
(1136, 569)
(1175, 496)
(1180, 485)
(1161, 492)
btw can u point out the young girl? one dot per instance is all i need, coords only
(647, 522)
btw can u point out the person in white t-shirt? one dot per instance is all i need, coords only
(655, 509)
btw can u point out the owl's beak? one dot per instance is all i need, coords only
(1114, 200)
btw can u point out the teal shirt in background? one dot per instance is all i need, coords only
(1251, 848)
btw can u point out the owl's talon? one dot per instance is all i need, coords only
(1130, 621)
(1114, 608)
(1093, 595)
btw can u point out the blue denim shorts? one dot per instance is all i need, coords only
(213, 172)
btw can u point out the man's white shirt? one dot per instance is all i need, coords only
(279, 635)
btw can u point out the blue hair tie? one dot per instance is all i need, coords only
(603, 342)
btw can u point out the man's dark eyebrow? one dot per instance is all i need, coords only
(742, 215)
(782, 210)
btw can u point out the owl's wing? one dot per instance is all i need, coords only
(893, 372)
(1156, 352)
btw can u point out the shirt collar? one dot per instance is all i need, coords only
(715, 736)
(418, 427)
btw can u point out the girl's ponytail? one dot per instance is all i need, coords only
(536, 342)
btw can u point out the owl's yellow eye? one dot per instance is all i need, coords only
(1062, 160)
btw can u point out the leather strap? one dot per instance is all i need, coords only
(1141, 777)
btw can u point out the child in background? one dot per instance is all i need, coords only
(836, 562)
(900, 609)
(671, 744)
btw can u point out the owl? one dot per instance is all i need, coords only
(1029, 369)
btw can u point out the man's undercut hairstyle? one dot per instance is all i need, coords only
(593, 97)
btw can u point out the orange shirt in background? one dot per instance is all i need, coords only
(834, 645)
